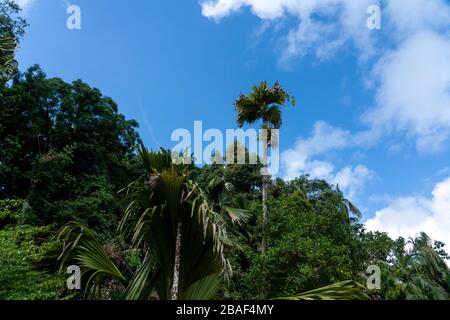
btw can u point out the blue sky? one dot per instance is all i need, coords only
(373, 106)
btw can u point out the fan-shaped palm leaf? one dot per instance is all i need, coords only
(82, 249)
(171, 223)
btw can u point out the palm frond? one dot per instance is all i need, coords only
(237, 215)
(144, 281)
(346, 290)
(203, 289)
(82, 249)
(8, 65)
(263, 103)
(247, 110)
(154, 162)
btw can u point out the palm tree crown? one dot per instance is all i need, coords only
(263, 103)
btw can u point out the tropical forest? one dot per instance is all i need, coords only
(92, 209)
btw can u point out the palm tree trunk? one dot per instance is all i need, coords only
(264, 198)
(176, 268)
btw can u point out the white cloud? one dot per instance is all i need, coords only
(408, 216)
(323, 38)
(416, 15)
(302, 158)
(412, 59)
(352, 180)
(414, 92)
(265, 9)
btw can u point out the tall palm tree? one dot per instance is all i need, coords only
(170, 222)
(8, 65)
(263, 104)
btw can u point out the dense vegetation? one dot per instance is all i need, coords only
(174, 231)
(64, 146)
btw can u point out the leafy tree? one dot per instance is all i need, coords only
(65, 148)
(11, 24)
(379, 248)
(245, 178)
(310, 245)
(263, 104)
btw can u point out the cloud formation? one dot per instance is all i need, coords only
(345, 21)
(408, 216)
(304, 157)
(414, 91)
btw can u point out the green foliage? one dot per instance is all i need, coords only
(166, 199)
(245, 178)
(66, 149)
(263, 103)
(163, 202)
(309, 243)
(11, 24)
(20, 248)
(82, 249)
(419, 273)
(379, 247)
(8, 66)
(11, 31)
(13, 212)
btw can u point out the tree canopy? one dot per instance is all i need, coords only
(65, 148)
